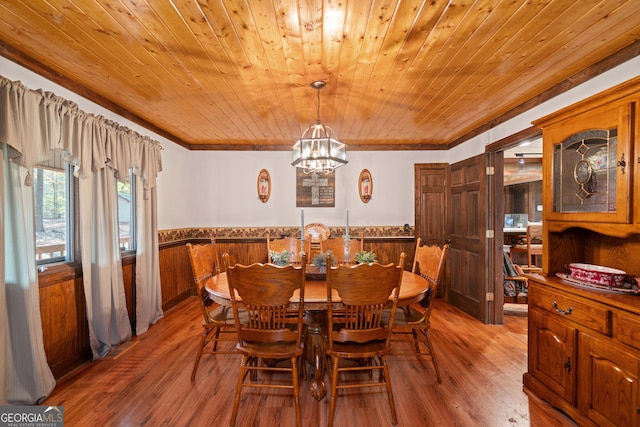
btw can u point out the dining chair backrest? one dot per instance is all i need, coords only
(428, 260)
(532, 244)
(364, 290)
(266, 293)
(270, 326)
(344, 250)
(205, 263)
(291, 244)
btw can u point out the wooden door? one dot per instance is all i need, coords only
(430, 202)
(431, 209)
(468, 265)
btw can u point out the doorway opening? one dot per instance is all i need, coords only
(515, 202)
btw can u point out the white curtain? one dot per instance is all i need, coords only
(30, 379)
(107, 314)
(148, 297)
(4, 316)
(32, 123)
(98, 147)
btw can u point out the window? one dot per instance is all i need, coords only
(53, 210)
(127, 213)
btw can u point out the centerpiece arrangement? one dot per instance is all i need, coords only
(320, 260)
(280, 258)
(365, 257)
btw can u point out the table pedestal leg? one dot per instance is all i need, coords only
(314, 350)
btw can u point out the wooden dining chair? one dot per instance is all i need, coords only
(532, 245)
(344, 250)
(314, 233)
(414, 319)
(355, 327)
(290, 244)
(271, 327)
(217, 320)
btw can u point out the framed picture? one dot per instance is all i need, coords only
(365, 186)
(315, 190)
(264, 186)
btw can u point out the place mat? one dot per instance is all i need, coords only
(631, 289)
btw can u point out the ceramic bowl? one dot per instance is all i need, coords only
(597, 274)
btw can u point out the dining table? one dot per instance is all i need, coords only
(412, 289)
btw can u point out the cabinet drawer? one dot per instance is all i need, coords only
(581, 311)
(626, 329)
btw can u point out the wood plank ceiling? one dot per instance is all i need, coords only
(236, 74)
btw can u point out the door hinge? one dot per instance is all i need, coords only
(490, 296)
(490, 234)
(491, 170)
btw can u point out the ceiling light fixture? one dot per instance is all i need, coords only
(520, 156)
(317, 151)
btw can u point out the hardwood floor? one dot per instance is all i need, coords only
(148, 383)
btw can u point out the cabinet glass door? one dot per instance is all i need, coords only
(585, 157)
(585, 172)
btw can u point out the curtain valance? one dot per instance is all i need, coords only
(33, 122)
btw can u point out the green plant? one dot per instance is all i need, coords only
(365, 257)
(280, 258)
(320, 260)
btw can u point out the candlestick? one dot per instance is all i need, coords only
(302, 224)
(347, 226)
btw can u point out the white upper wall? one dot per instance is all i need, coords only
(222, 189)
(218, 188)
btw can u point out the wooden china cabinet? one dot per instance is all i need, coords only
(584, 343)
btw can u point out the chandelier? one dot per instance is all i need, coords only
(317, 151)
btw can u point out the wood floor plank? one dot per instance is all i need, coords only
(149, 383)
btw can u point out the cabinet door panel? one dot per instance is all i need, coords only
(609, 383)
(552, 354)
(586, 180)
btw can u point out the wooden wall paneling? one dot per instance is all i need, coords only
(175, 274)
(64, 325)
(129, 279)
(245, 251)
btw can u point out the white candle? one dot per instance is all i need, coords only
(347, 226)
(302, 224)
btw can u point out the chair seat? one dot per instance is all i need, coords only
(272, 350)
(407, 315)
(221, 314)
(353, 349)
